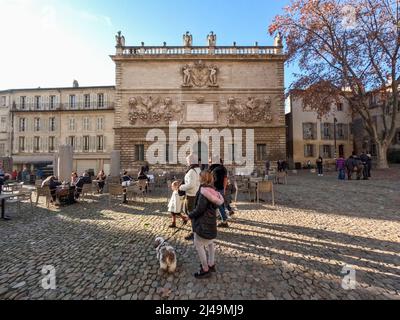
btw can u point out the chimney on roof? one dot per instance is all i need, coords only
(75, 84)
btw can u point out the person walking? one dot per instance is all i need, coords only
(267, 168)
(220, 182)
(190, 186)
(364, 161)
(341, 167)
(204, 221)
(175, 205)
(320, 167)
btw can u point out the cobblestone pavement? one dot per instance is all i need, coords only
(295, 250)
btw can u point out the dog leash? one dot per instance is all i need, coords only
(175, 233)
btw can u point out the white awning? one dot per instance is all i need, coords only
(32, 159)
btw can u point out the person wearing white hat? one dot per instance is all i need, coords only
(191, 186)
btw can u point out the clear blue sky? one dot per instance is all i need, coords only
(52, 42)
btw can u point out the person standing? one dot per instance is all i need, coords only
(175, 205)
(204, 221)
(2, 178)
(220, 182)
(101, 181)
(267, 167)
(191, 186)
(364, 162)
(320, 167)
(341, 167)
(369, 165)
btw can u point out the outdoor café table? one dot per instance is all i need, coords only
(4, 197)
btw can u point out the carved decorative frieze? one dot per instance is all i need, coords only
(200, 75)
(151, 110)
(251, 111)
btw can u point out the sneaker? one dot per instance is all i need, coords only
(231, 213)
(172, 226)
(223, 225)
(190, 237)
(202, 275)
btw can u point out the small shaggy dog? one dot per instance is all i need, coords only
(166, 255)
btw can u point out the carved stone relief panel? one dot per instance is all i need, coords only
(200, 75)
(252, 110)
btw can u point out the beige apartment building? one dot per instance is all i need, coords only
(5, 124)
(43, 119)
(199, 87)
(310, 136)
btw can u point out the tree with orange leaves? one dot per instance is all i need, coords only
(347, 49)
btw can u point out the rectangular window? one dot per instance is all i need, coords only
(36, 144)
(22, 101)
(52, 124)
(139, 152)
(100, 124)
(72, 101)
(3, 124)
(100, 143)
(2, 149)
(86, 143)
(71, 124)
(309, 131)
(309, 151)
(37, 124)
(341, 131)
(340, 107)
(3, 101)
(86, 124)
(52, 102)
(100, 100)
(326, 131)
(22, 125)
(52, 144)
(38, 102)
(167, 151)
(86, 101)
(327, 152)
(261, 152)
(21, 144)
(72, 142)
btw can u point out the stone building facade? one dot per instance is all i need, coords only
(43, 119)
(5, 127)
(310, 136)
(199, 88)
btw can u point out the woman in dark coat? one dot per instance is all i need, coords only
(204, 222)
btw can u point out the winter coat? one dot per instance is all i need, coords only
(204, 216)
(175, 204)
(192, 182)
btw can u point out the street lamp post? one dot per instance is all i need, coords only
(334, 133)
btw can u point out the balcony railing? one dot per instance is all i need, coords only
(230, 50)
(63, 106)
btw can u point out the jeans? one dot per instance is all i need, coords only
(342, 174)
(320, 170)
(222, 208)
(201, 245)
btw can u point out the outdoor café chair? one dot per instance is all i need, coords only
(266, 187)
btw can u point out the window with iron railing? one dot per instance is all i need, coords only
(52, 144)
(21, 144)
(309, 150)
(36, 144)
(72, 101)
(100, 100)
(86, 143)
(52, 102)
(22, 125)
(38, 103)
(100, 143)
(22, 102)
(86, 100)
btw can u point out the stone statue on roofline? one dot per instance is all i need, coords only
(278, 42)
(187, 39)
(120, 39)
(212, 39)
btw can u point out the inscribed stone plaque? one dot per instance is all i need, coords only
(200, 113)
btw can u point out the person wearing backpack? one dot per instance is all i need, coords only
(191, 186)
(204, 221)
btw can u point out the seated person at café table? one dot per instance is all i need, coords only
(52, 182)
(82, 180)
(74, 178)
(101, 181)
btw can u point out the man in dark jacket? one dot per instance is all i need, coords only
(220, 182)
(364, 161)
(82, 180)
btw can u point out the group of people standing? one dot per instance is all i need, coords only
(200, 195)
(360, 165)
